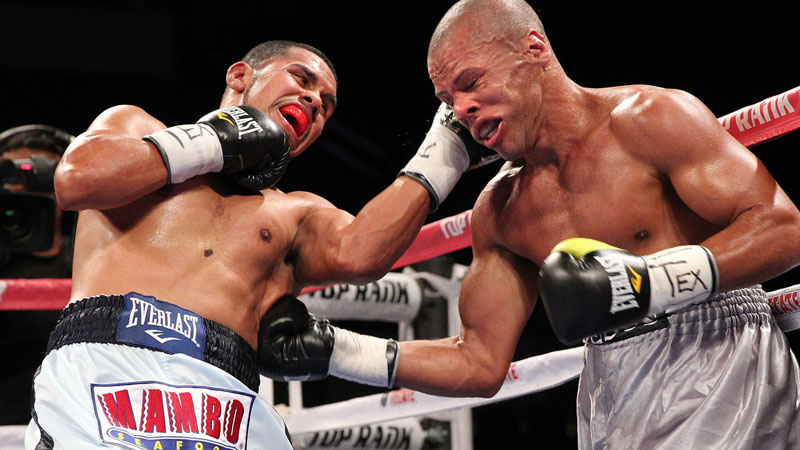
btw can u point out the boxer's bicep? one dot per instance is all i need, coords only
(335, 246)
(718, 178)
(109, 165)
(723, 182)
(497, 297)
(318, 242)
(116, 129)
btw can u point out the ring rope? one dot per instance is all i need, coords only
(527, 376)
(768, 119)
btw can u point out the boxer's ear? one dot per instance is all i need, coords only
(239, 76)
(536, 46)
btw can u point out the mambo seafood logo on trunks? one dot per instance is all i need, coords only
(157, 324)
(157, 416)
(244, 122)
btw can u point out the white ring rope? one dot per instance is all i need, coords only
(524, 377)
(785, 305)
(408, 434)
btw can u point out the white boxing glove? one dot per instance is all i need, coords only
(447, 151)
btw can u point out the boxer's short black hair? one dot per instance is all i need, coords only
(262, 53)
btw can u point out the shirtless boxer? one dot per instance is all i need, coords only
(644, 169)
(175, 264)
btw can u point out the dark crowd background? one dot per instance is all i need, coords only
(63, 62)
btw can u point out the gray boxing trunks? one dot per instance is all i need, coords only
(139, 373)
(719, 375)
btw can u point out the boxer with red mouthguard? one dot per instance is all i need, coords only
(184, 243)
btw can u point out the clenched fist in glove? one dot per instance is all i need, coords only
(447, 151)
(589, 287)
(295, 345)
(242, 142)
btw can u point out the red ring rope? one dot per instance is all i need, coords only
(751, 125)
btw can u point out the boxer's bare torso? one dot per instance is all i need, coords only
(224, 256)
(601, 185)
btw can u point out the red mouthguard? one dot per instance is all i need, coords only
(296, 118)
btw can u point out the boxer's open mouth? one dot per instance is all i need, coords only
(296, 118)
(488, 129)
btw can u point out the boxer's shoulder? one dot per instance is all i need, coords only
(640, 107)
(301, 203)
(495, 206)
(125, 119)
(301, 210)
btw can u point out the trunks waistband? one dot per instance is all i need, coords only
(102, 319)
(736, 306)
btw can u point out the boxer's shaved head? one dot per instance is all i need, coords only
(509, 19)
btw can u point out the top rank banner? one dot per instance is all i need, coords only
(766, 120)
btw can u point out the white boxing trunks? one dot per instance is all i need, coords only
(719, 375)
(135, 372)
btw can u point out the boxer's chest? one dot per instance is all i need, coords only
(622, 204)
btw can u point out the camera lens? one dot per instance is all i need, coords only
(15, 224)
(27, 222)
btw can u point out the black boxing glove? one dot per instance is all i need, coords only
(295, 345)
(447, 151)
(589, 287)
(242, 142)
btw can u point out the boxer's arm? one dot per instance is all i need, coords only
(726, 184)
(333, 246)
(497, 296)
(110, 165)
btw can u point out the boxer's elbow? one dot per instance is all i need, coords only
(779, 225)
(484, 378)
(482, 382)
(356, 269)
(493, 380)
(72, 186)
(791, 233)
(361, 262)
